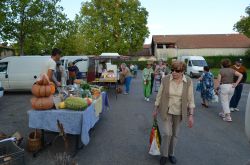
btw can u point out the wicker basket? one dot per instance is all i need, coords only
(34, 141)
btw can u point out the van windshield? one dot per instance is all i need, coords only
(199, 63)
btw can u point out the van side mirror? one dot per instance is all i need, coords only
(6, 75)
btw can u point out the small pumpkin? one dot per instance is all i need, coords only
(43, 80)
(41, 90)
(42, 103)
(52, 88)
(78, 81)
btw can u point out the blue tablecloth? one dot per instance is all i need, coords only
(74, 122)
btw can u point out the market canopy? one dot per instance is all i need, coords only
(110, 55)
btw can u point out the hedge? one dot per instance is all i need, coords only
(141, 64)
(212, 61)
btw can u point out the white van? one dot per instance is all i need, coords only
(82, 62)
(20, 72)
(195, 64)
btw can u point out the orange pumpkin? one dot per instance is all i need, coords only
(77, 81)
(43, 80)
(42, 103)
(41, 90)
(39, 82)
(52, 88)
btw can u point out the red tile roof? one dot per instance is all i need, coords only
(146, 46)
(204, 40)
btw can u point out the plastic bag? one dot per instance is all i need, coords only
(155, 140)
(198, 87)
(215, 98)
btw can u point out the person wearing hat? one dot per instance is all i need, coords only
(147, 80)
(238, 89)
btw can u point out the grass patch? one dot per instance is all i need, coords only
(215, 72)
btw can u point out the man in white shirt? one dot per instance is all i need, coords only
(50, 66)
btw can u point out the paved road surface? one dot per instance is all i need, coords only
(121, 137)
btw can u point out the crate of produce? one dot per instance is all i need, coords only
(11, 154)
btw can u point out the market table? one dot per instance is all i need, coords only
(74, 122)
(109, 82)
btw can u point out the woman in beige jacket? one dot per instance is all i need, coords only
(174, 103)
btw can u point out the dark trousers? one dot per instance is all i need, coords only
(236, 97)
(152, 83)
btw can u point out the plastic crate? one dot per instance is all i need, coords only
(11, 154)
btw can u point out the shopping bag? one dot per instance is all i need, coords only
(155, 140)
(215, 98)
(198, 87)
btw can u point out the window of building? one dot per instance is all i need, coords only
(160, 46)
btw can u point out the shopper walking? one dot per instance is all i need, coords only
(227, 86)
(174, 103)
(207, 86)
(147, 80)
(127, 74)
(238, 89)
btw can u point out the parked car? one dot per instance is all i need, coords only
(195, 64)
(1, 90)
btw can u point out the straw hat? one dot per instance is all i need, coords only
(149, 62)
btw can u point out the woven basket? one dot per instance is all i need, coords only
(34, 141)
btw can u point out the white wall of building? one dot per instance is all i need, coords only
(174, 52)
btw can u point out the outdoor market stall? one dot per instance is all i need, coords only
(110, 73)
(76, 114)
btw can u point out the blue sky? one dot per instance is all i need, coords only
(183, 16)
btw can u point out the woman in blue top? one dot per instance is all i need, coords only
(207, 86)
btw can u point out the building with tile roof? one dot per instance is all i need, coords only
(6, 51)
(165, 46)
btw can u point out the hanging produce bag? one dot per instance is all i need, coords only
(155, 139)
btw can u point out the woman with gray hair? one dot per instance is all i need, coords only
(128, 77)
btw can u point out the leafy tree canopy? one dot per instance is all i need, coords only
(243, 26)
(113, 26)
(34, 25)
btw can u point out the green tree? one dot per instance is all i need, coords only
(113, 26)
(34, 24)
(72, 40)
(243, 25)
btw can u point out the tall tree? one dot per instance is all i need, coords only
(113, 26)
(72, 40)
(243, 25)
(33, 24)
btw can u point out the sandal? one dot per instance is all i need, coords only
(204, 105)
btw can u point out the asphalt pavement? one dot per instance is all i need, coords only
(121, 137)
